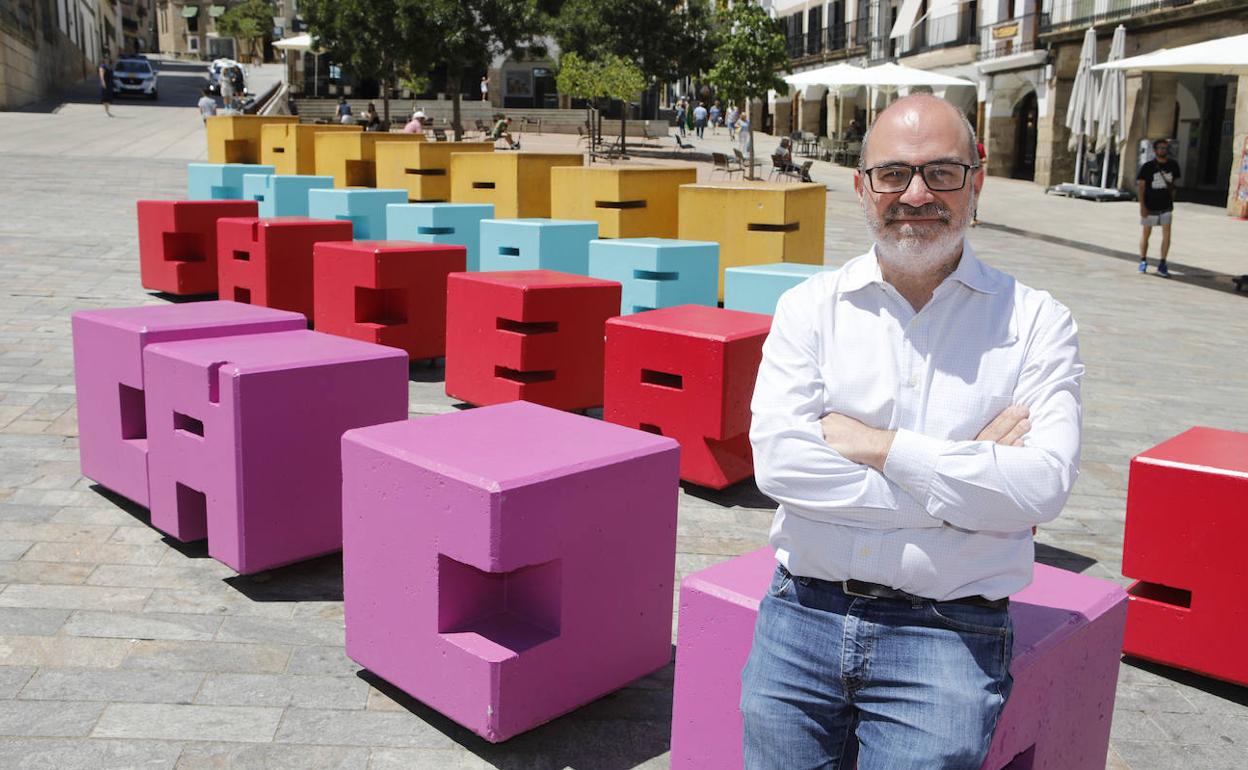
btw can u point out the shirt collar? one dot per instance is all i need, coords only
(971, 272)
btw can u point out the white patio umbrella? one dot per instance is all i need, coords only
(840, 78)
(1081, 110)
(303, 43)
(1223, 56)
(1111, 109)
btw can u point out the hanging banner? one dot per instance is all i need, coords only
(1241, 189)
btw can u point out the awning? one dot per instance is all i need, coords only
(835, 76)
(297, 43)
(891, 75)
(216, 10)
(906, 17)
(190, 11)
(1223, 56)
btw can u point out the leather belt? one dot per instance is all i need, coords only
(867, 590)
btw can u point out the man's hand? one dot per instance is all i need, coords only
(855, 441)
(1008, 428)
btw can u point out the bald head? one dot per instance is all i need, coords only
(915, 120)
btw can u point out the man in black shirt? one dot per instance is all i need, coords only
(1156, 188)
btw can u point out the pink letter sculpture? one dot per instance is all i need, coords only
(244, 436)
(1067, 641)
(108, 377)
(508, 564)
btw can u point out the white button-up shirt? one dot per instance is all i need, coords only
(949, 516)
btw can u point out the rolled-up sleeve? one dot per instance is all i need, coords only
(983, 486)
(793, 464)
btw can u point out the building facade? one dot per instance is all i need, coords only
(1023, 54)
(46, 45)
(188, 28)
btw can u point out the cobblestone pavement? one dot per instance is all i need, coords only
(119, 648)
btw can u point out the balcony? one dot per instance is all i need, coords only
(947, 31)
(1080, 14)
(831, 42)
(1011, 36)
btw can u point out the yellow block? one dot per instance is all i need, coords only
(421, 168)
(517, 184)
(236, 138)
(351, 158)
(291, 149)
(755, 223)
(631, 202)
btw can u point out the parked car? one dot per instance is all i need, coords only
(134, 74)
(216, 68)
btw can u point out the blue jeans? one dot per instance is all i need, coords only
(893, 685)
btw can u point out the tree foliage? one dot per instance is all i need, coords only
(612, 77)
(748, 58)
(750, 54)
(667, 39)
(250, 21)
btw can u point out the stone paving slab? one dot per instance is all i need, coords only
(108, 629)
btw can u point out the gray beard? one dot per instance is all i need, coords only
(917, 249)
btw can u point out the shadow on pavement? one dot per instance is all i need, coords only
(743, 494)
(1227, 691)
(618, 731)
(316, 580)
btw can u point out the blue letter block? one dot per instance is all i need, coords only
(757, 288)
(364, 208)
(220, 181)
(283, 196)
(658, 272)
(458, 224)
(537, 244)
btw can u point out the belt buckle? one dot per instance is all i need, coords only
(849, 592)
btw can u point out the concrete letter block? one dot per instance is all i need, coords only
(627, 202)
(516, 184)
(365, 209)
(756, 223)
(757, 288)
(282, 196)
(688, 372)
(387, 292)
(1184, 546)
(1067, 632)
(351, 159)
(244, 438)
(448, 223)
(236, 138)
(421, 168)
(291, 147)
(178, 243)
(536, 244)
(658, 272)
(506, 565)
(219, 181)
(268, 262)
(108, 377)
(530, 335)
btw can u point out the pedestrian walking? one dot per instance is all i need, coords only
(207, 105)
(716, 117)
(906, 496)
(342, 113)
(106, 84)
(731, 120)
(1155, 182)
(983, 155)
(225, 85)
(680, 116)
(240, 86)
(485, 88)
(699, 119)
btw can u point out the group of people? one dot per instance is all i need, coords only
(699, 116)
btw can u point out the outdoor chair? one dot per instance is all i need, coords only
(721, 163)
(646, 136)
(439, 135)
(480, 126)
(681, 145)
(744, 163)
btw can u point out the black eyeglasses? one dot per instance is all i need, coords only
(940, 176)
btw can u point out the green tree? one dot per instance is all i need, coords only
(469, 34)
(250, 22)
(748, 58)
(611, 77)
(389, 40)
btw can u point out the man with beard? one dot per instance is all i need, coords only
(916, 414)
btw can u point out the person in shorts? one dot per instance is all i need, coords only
(1156, 191)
